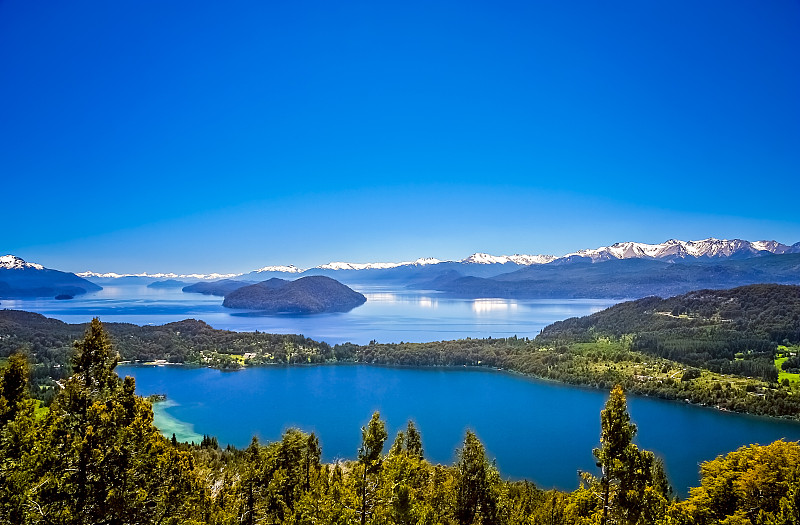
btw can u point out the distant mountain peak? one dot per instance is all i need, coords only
(12, 262)
(522, 260)
(167, 275)
(673, 249)
(422, 261)
(285, 269)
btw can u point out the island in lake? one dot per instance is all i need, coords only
(307, 295)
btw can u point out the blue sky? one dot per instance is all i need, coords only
(206, 136)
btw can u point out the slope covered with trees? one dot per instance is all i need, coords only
(729, 331)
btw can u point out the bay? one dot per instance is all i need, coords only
(536, 430)
(390, 315)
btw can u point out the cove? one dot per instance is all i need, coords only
(536, 430)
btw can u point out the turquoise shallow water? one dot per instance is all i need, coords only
(536, 430)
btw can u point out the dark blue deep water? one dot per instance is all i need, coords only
(537, 430)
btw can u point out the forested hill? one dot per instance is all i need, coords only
(708, 328)
(50, 342)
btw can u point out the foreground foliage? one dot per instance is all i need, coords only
(96, 457)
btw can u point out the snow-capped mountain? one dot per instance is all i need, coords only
(673, 249)
(376, 266)
(12, 262)
(522, 260)
(167, 275)
(282, 269)
(19, 278)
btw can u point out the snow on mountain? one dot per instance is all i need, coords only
(356, 266)
(12, 262)
(675, 249)
(376, 266)
(523, 260)
(169, 275)
(670, 250)
(285, 269)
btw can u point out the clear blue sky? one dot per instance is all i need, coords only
(224, 136)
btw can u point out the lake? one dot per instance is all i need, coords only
(390, 315)
(536, 430)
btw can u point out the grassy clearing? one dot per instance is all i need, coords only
(785, 375)
(783, 354)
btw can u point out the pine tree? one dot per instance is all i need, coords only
(474, 495)
(94, 361)
(312, 458)
(13, 387)
(628, 474)
(373, 437)
(413, 441)
(18, 436)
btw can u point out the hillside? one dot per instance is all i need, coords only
(49, 342)
(731, 331)
(307, 295)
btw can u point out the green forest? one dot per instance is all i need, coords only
(95, 457)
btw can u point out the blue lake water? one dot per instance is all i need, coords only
(389, 315)
(536, 430)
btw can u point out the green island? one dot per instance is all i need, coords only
(96, 457)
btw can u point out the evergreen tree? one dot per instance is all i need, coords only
(628, 474)
(373, 437)
(99, 459)
(17, 438)
(312, 458)
(475, 498)
(94, 360)
(413, 441)
(13, 387)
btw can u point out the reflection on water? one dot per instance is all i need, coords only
(483, 306)
(389, 315)
(396, 298)
(427, 302)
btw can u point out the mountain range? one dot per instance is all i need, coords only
(634, 269)
(486, 265)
